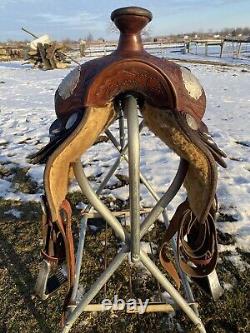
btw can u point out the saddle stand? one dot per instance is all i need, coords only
(171, 103)
(131, 241)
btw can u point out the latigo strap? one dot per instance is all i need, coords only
(58, 247)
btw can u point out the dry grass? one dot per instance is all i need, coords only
(20, 312)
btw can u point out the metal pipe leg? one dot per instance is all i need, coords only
(96, 287)
(130, 108)
(148, 263)
(79, 256)
(95, 201)
(117, 145)
(166, 198)
(84, 226)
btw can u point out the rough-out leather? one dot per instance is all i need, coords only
(173, 105)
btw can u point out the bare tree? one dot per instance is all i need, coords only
(89, 37)
(111, 28)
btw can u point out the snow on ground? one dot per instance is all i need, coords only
(14, 212)
(27, 110)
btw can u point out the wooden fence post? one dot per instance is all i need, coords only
(239, 49)
(206, 48)
(221, 48)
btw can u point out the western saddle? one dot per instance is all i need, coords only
(172, 103)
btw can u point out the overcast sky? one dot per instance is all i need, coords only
(77, 18)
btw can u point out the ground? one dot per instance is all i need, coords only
(26, 108)
(21, 312)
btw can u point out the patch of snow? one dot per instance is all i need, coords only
(5, 187)
(145, 246)
(81, 205)
(225, 248)
(167, 297)
(227, 286)
(238, 263)
(121, 193)
(36, 173)
(16, 213)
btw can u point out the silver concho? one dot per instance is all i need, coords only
(191, 83)
(72, 119)
(192, 123)
(69, 83)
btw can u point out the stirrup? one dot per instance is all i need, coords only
(210, 285)
(47, 285)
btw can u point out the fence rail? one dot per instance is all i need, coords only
(94, 50)
(209, 47)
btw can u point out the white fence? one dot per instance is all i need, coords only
(202, 48)
(153, 48)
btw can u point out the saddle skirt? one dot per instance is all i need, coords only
(172, 103)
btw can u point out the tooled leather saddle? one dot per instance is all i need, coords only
(172, 103)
